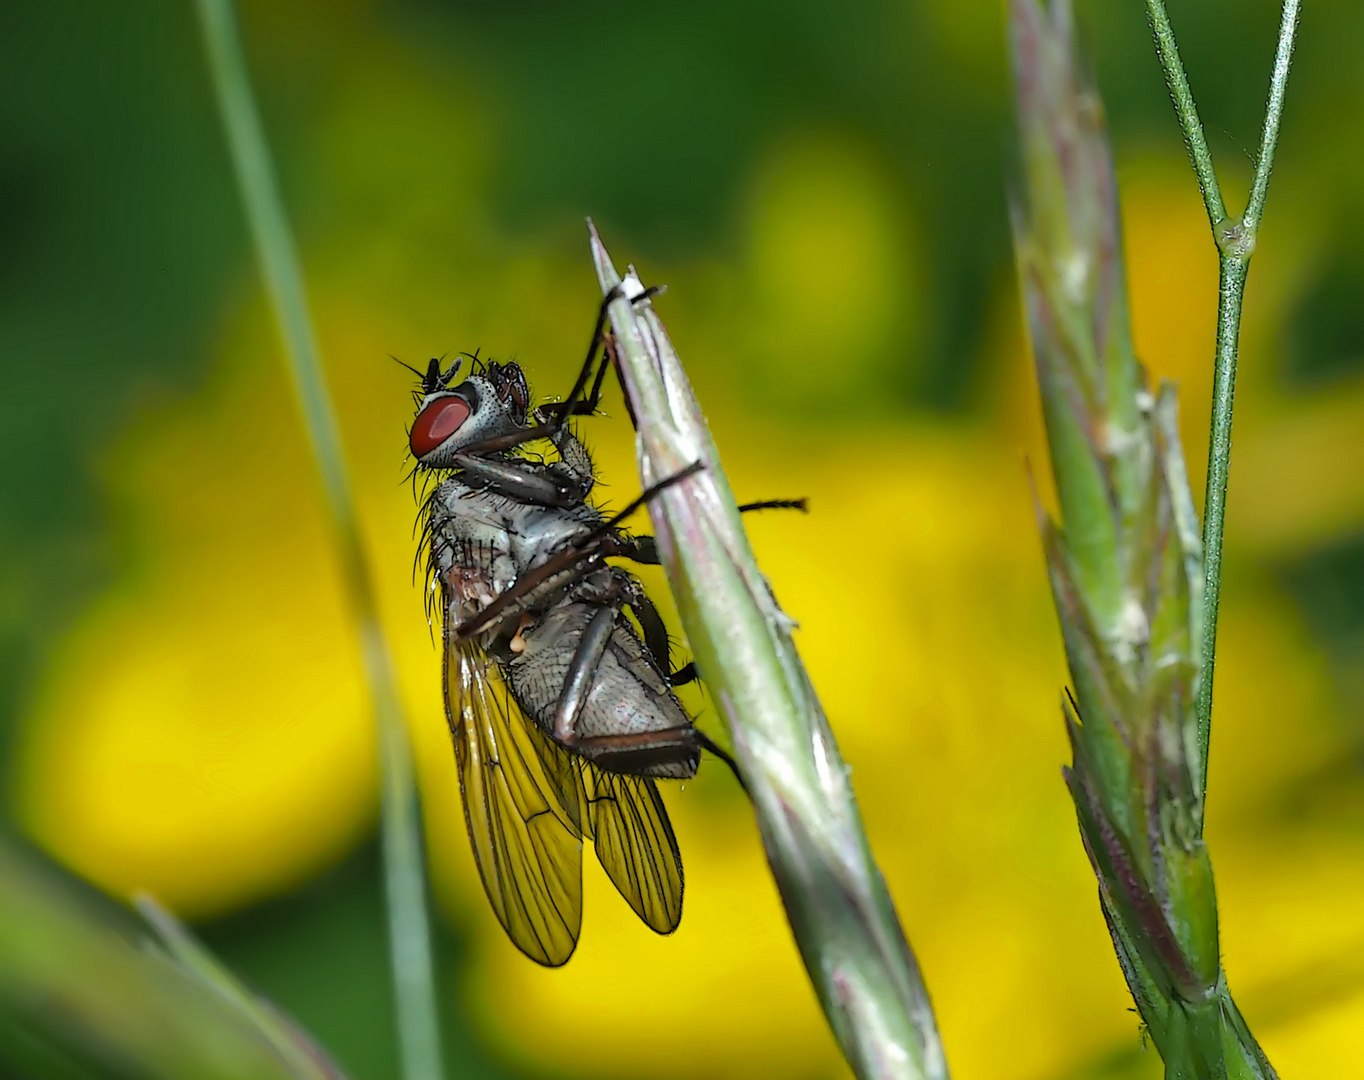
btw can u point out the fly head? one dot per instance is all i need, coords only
(487, 405)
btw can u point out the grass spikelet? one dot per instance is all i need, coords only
(1126, 566)
(843, 919)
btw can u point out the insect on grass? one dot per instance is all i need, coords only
(558, 686)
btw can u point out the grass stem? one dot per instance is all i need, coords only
(1235, 239)
(409, 934)
(1269, 137)
(1187, 111)
(1231, 289)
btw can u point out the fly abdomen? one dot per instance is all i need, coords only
(630, 721)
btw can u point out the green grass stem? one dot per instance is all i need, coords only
(840, 912)
(1235, 239)
(409, 933)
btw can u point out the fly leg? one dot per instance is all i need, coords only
(559, 412)
(624, 751)
(571, 406)
(655, 633)
(554, 416)
(582, 674)
(705, 742)
(514, 480)
(574, 460)
(586, 663)
(641, 549)
(644, 549)
(656, 638)
(656, 642)
(775, 504)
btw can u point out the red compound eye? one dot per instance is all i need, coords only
(436, 423)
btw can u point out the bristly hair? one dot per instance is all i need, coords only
(425, 557)
(419, 393)
(401, 363)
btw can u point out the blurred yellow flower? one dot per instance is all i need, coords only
(203, 733)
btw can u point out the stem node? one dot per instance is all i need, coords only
(1235, 238)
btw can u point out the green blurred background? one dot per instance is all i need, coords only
(823, 187)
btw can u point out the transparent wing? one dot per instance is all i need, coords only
(636, 846)
(524, 805)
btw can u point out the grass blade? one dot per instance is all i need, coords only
(409, 933)
(304, 1057)
(82, 986)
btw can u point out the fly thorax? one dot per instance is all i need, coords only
(537, 533)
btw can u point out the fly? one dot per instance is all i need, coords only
(560, 705)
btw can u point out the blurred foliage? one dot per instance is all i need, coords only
(85, 991)
(181, 691)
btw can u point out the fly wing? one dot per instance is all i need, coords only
(636, 846)
(524, 806)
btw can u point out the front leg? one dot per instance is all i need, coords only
(516, 480)
(573, 456)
